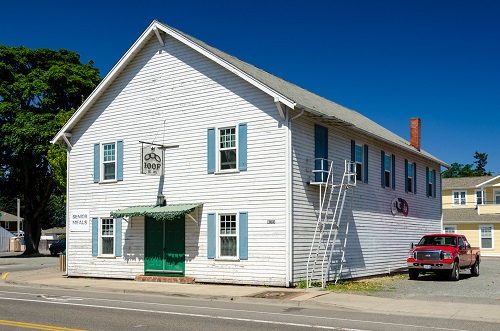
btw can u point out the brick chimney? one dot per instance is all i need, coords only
(415, 132)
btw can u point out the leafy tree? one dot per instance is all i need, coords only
(39, 90)
(468, 170)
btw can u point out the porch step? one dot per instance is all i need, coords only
(165, 279)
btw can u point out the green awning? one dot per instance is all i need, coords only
(160, 213)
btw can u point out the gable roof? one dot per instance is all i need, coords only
(453, 216)
(467, 182)
(6, 217)
(282, 91)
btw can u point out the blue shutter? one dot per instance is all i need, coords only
(353, 151)
(243, 235)
(95, 236)
(414, 178)
(119, 160)
(393, 169)
(365, 163)
(211, 235)
(320, 152)
(242, 146)
(118, 237)
(382, 167)
(211, 150)
(434, 183)
(97, 162)
(406, 175)
(427, 188)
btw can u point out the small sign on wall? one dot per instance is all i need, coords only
(152, 160)
(79, 221)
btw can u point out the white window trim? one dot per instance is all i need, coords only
(430, 182)
(388, 171)
(218, 237)
(483, 197)
(412, 188)
(454, 227)
(218, 149)
(495, 194)
(100, 238)
(492, 237)
(7, 225)
(102, 180)
(362, 163)
(453, 198)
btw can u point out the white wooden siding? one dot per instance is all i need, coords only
(171, 95)
(378, 242)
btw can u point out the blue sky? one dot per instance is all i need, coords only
(389, 60)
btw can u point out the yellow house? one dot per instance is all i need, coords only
(471, 206)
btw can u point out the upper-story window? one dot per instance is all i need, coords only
(480, 197)
(108, 161)
(430, 182)
(227, 148)
(496, 197)
(410, 177)
(388, 170)
(459, 198)
(359, 155)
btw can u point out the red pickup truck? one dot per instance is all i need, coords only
(445, 254)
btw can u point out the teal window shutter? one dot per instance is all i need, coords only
(211, 235)
(97, 162)
(382, 167)
(406, 175)
(118, 237)
(95, 236)
(427, 187)
(243, 235)
(353, 151)
(211, 150)
(119, 160)
(365, 163)
(320, 153)
(414, 178)
(242, 146)
(393, 169)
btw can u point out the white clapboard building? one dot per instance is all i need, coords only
(188, 163)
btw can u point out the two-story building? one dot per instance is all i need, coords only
(471, 206)
(188, 162)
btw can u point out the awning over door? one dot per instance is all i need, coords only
(160, 213)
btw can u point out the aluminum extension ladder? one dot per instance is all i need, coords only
(327, 226)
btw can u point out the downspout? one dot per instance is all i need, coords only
(289, 196)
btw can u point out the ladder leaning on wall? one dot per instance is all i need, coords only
(327, 226)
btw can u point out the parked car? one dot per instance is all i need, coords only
(443, 253)
(58, 247)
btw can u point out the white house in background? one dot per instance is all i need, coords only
(188, 162)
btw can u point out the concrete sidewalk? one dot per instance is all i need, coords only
(310, 298)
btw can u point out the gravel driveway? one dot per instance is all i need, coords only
(484, 289)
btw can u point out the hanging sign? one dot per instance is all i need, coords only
(79, 221)
(399, 205)
(152, 160)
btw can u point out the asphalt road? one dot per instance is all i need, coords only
(36, 308)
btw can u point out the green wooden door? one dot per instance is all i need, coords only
(164, 247)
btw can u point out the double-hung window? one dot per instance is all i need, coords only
(459, 198)
(450, 229)
(486, 235)
(359, 155)
(108, 161)
(388, 167)
(227, 236)
(410, 177)
(227, 148)
(430, 182)
(106, 237)
(480, 197)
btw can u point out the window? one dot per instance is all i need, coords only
(108, 162)
(459, 198)
(480, 196)
(7, 225)
(107, 236)
(486, 235)
(410, 177)
(450, 229)
(227, 236)
(388, 167)
(227, 148)
(359, 155)
(497, 197)
(430, 182)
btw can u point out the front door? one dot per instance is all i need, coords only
(164, 247)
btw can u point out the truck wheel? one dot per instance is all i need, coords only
(455, 272)
(474, 270)
(413, 274)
